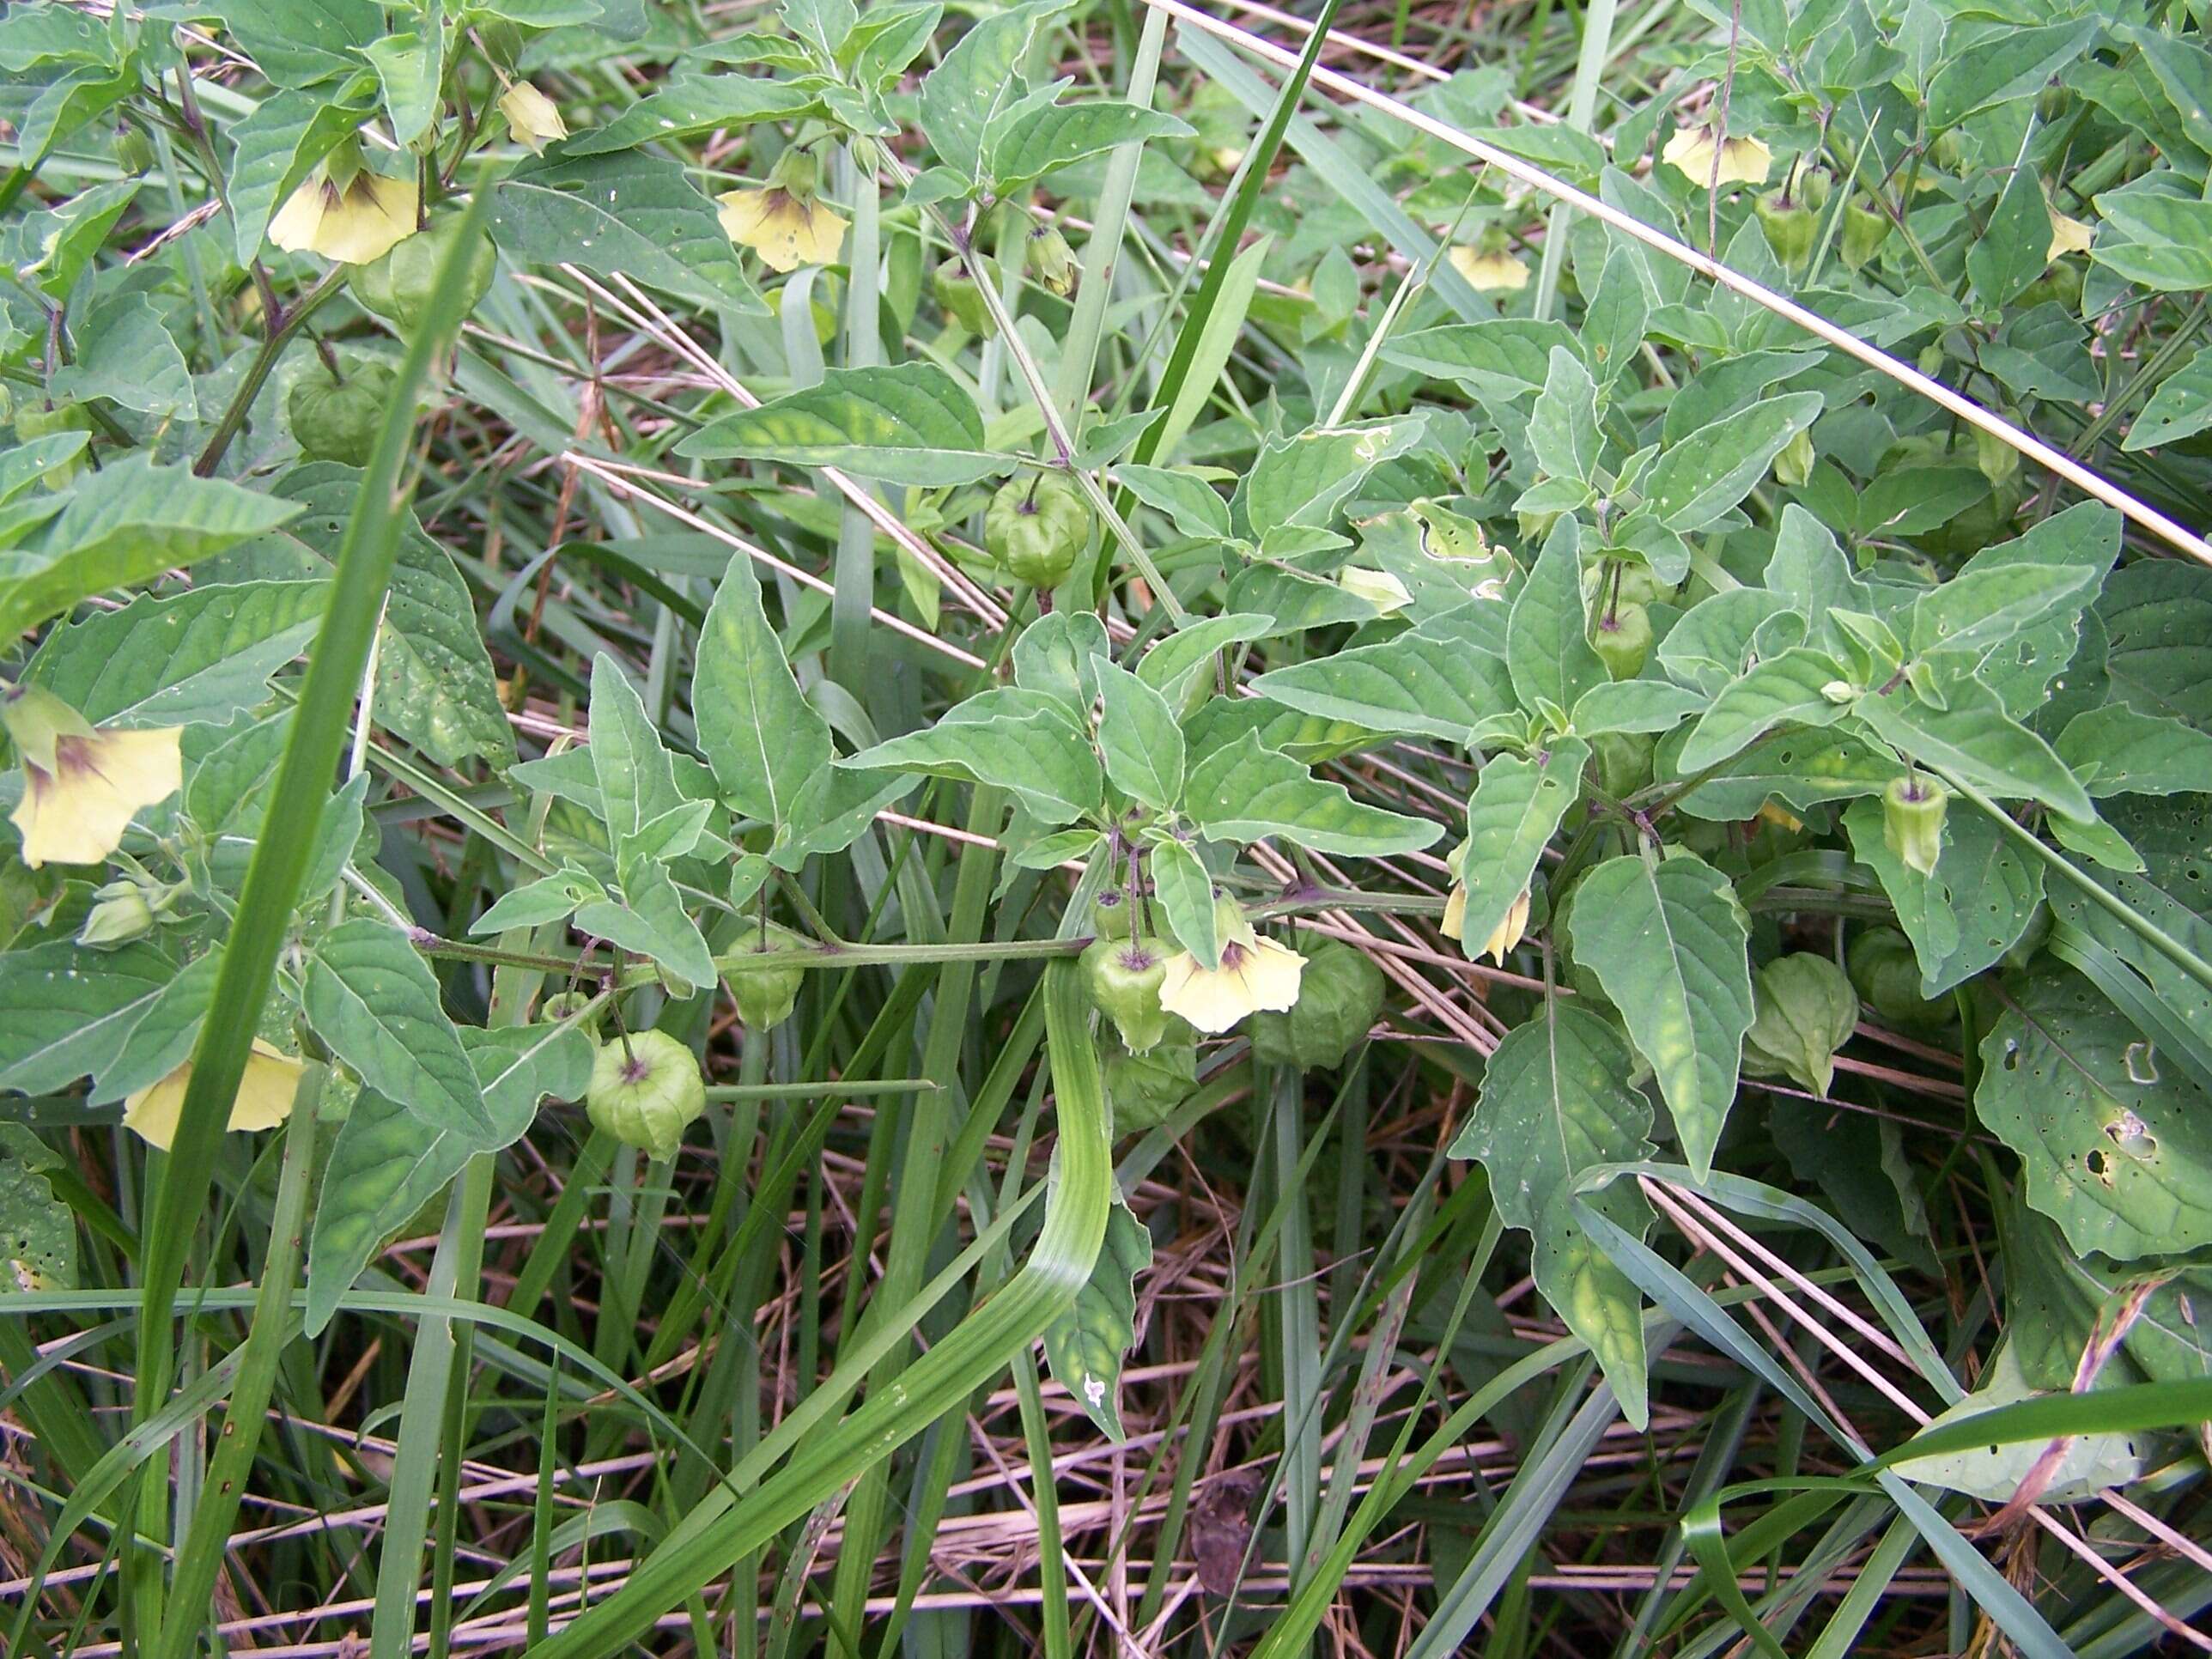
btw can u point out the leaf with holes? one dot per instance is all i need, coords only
(2116, 1141)
(1085, 1345)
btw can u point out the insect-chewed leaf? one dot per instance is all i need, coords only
(1085, 1345)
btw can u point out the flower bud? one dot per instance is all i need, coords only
(1338, 997)
(765, 993)
(567, 1004)
(1050, 260)
(645, 1090)
(1035, 528)
(1998, 460)
(1912, 809)
(335, 420)
(1804, 1010)
(532, 116)
(120, 912)
(1793, 466)
(1624, 761)
(397, 286)
(1622, 637)
(1124, 977)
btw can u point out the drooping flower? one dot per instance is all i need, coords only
(1509, 931)
(1691, 151)
(2069, 236)
(264, 1099)
(351, 224)
(1492, 272)
(783, 220)
(82, 787)
(1254, 974)
(1378, 587)
(532, 116)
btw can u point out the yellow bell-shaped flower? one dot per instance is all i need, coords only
(82, 787)
(1509, 933)
(362, 219)
(264, 1101)
(2069, 236)
(1254, 974)
(532, 116)
(783, 220)
(1692, 150)
(1494, 272)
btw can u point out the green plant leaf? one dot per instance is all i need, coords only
(1978, 740)
(2117, 751)
(198, 656)
(2013, 63)
(386, 1165)
(1191, 505)
(2158, 613)
(38, 1232)
(1034, 750)
(1698, 479)
(1638, 706)
(1511, 817)
(1040, 141)
(631, 213)
(1783, 690)
(636, 777)
(978, 81)
(756, 728)
(1184, 892)
(1244, 791)
(2014, 248)
(1555, 1102)
(376, 1003)
(690, 106)
(911, 424)
(434, 684)
(2117, 1145)
(299, 42)
(1973, 909)
(1418, 684)
(1563, 428)
(1669, 944)
(651, 920)
(1301, 479)
(130, 357)
(1139, 739)
(1499, 362)
(1547, 648)
(127, 524)
(2180, 408)
(71, 1008)
(1085, 1345)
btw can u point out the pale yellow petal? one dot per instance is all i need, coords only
(152, 1113)
(295, 223)
(1490, 273)
(1254, 974)
(265, 1096)
(77, 814)
(1745, 162)
(532, 116)
(821, 237)
(1272, 975)
(1455, 923)
(2069, 236)
(372, 216)
(1509, 931)
(1690, 152)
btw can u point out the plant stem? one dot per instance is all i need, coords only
(286, 323)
